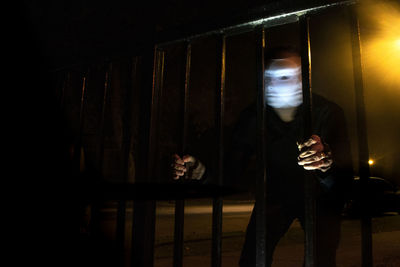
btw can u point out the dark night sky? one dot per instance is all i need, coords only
(66, 32)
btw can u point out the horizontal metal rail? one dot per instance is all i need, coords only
(268, 21)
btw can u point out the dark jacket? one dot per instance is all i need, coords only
(285, 178)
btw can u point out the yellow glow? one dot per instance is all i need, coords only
(381, 47)
(371, 162)
(397, 43)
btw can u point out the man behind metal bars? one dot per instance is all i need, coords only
(327, 152)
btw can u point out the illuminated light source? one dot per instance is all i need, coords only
(397, 43)
(371, 162)
(381, 49)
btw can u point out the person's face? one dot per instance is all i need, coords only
(283, 85)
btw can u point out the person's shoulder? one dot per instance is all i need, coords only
(323, 104)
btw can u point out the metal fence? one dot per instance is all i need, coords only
(139, 107)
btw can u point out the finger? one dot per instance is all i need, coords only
(313, 149)
(319, 165)
(314, 158)
(314, 139)
(178, 159)
(179, 173)
(307, 143)
(179, 167)
(307, 153)
(188, 158)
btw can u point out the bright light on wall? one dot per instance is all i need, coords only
(371, 162)
(397, 43)
(381, 48)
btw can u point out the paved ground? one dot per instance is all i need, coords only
(289, 252)
(386, 239)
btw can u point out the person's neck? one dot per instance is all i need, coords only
(286, 114)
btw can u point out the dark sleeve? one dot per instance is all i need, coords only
(336, 183)
(240, 148)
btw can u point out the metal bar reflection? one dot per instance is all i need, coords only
(219, 123)
(309, 189)
(363, 151)
(261, 171)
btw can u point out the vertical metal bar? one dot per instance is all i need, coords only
(96, 203)
(188, 59)
(178, 232)
(130, 125)
(219, 122)
(309, 189)
(157, 87)
(120, 232)
(129, 110)
(216, 258)
(143, 227)
(260, 208)
(180, 203)
(107, 81)
(363, 151)
(77, 149)
(121, 211)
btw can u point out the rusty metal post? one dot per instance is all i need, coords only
(219, 124)
(363, 151)
(310, 179)
(261, 231)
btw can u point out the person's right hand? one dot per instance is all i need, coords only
(179, 168)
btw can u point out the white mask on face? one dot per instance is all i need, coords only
(283, 86)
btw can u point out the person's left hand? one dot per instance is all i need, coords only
(314, 155)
